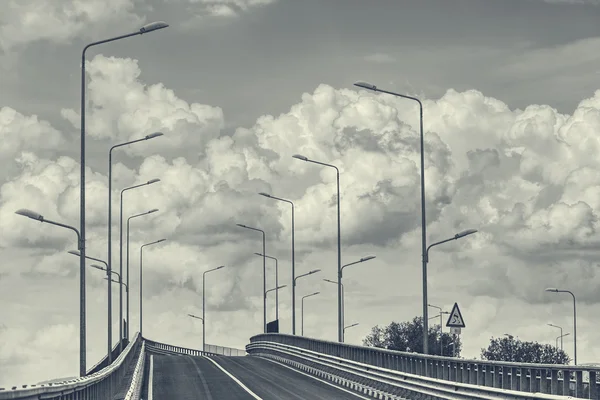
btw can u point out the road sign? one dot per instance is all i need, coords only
(455, 320)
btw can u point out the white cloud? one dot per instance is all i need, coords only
(527, 179)
(59, 21)
(380, 58)
(230, 8)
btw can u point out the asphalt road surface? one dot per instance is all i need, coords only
(185, 377)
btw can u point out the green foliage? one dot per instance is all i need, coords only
(408, 336)
(515, 350)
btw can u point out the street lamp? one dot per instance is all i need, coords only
(374, 88)
(204, 305)
(153, 26)
(82, 339)
(574, 318)
(264, 273)
(441, 323)
(201, 319)
(561, 339)
(561, 335)
(314, 271)
(118, 282)
(339, 238)
(343, 297)
(276, 283)
(293, 260)
(150, 182)
(128, 219)
(147, 137)
(302, 310)
(141, 275)
(367, 258)
(276, 289)
(348, 327)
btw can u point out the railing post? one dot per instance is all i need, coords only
(566, 382)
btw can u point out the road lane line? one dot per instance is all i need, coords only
(317, 379)
(250, 392)
(206, 389)
(151, 378)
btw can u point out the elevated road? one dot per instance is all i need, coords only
(185, 377)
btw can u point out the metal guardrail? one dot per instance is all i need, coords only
(100, 385)
(381, 382)
(225, 351)
(528, 378)
(135, 389)
(152, 345)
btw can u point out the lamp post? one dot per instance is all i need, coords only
(276, 289)
(343, 297)
(367, 258)
(128, 219)
(33, 215)
(293, 260)
(561, 335)
(201, 319)
(276, 283)
(264, 273)
(561, 339)
(121, 283)
(150, 182)
(302, 310)
(339, 239)
(147, 137)
(348, 327)
(153, 26)
(374, 88)
(141, 275)
(574, 319)
(204, 305)
(441, 323)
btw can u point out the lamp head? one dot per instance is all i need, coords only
(151, 181)
(153, 26)
(30, 214)
(219, 267)
(367, 258)
(315, 293)
(74, 252)
(551, 289)
(152, 211)
(265, 194)
(313, 271)
(300, 157)
(366, 85)
(153, 135)
(161, 240)
(465, 233)
(241, 225)
(98, 267)
(258, 254)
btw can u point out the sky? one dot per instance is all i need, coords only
(511, 113)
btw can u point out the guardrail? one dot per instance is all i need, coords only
(151, 345)
(225, 351)
(540, 379)
(100, 385)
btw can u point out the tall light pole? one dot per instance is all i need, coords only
(33, 215)
(574, 318)
(141, 276)
(128, 219)
(348, 327)
(276, 289)
(561, 339)
(201, 319)
(343, 297)
(293, 260)
(367, 258)
(561, 334)
(374, 88)
(441, 323)
(147, 137)
(339, 240)
(150, 182)
(264, 273)
(204, 305)
(121, 283)
(302, 310)
(276, 284)
(153, 26)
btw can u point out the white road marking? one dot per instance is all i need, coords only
(250, 392)
(317, 379)
(151, 378)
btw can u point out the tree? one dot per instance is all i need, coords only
(515, 350)
(408, 336)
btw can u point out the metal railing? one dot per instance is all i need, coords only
(529, 378)
(225, 351)
(100, 385)
(151, 345)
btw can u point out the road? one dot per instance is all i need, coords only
(185, 377)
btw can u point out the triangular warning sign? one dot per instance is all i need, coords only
(455, 320)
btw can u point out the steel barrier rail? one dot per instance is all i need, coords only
(493, 374)
(100, 385)
(381, 382)
(151, 345)
(135, 389)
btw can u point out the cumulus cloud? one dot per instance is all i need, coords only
(226, 8)
(527, 179)
(59, 21)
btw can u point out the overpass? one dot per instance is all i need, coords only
(280, 367)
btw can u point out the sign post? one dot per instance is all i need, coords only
(455, 323)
